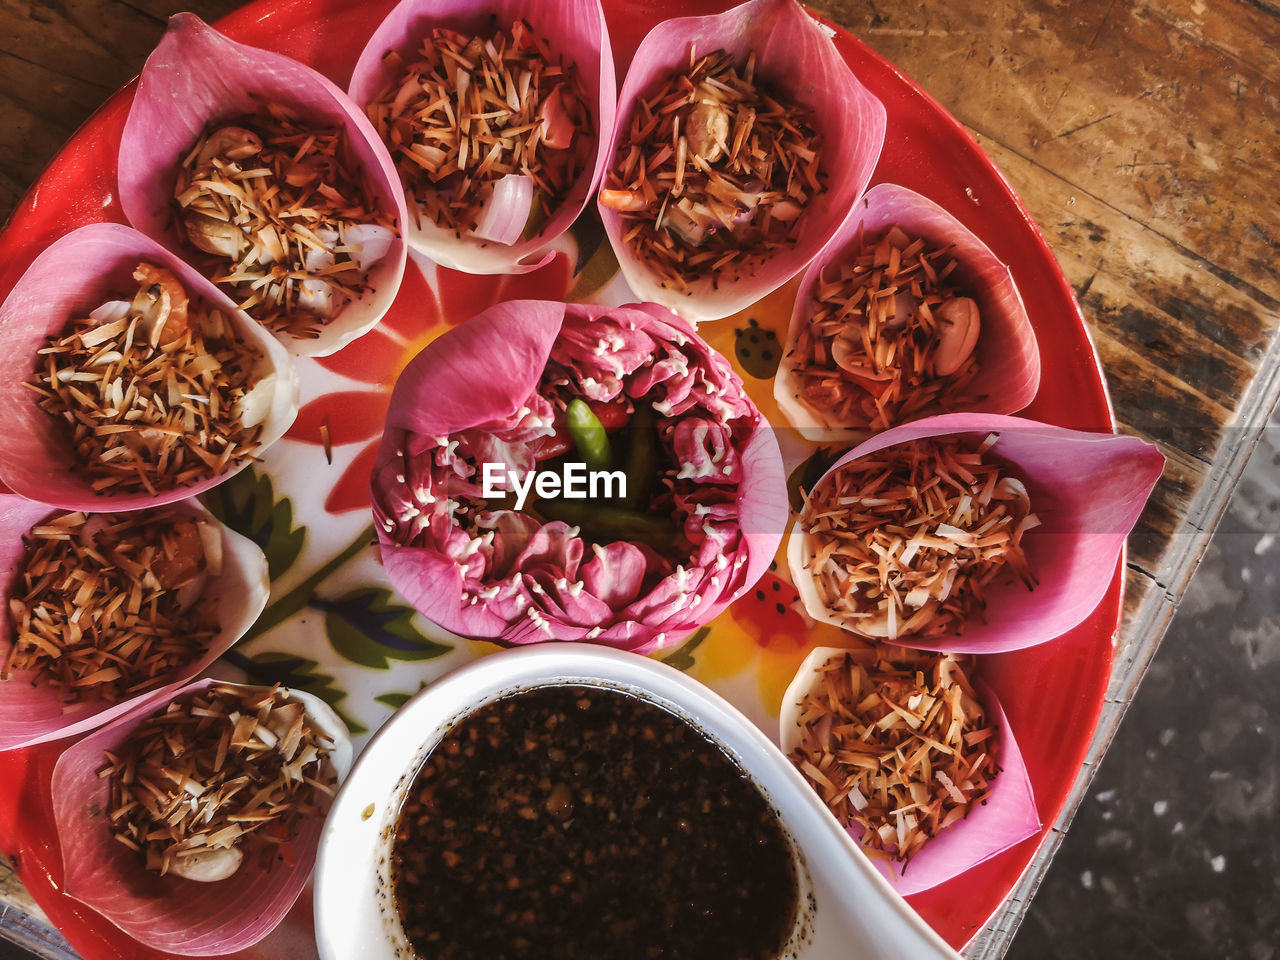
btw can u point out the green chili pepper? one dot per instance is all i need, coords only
(608, 524)
(588, 435)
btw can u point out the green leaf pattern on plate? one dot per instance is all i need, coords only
(246, 503)
(682, 656)
(367, 628)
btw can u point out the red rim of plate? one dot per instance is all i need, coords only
(927, 150)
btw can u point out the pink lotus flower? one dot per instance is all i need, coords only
(489, 391)
(196, 78)
(574, 30)
(849, 118)
(1008, 361)
(1087, 489)
(31, 714)
(73, 277)
(168, 913)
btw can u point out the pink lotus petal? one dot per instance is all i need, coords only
(614, 574)
(197, 77)
(507, 210)
(1088, 489)
(762, 458)
(574, 29)
(797, 56)
(1009, 362)
(422, 577)
(511, 339)
(31, 714)
(1005, 818)
(472, 394)
(68, 280)
(169, 913)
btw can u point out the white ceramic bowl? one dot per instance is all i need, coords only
(848, 909)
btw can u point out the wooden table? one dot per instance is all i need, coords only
(1144, 139)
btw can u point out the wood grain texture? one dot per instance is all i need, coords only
(12, 892)
(59, 60)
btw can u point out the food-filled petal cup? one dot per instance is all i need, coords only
(797, 56)
(74, 276)
(1007, 816)
(1087, 489)
(168, 913)
(197, 78)
(1007, 357)
(31, 713)
(574, 30)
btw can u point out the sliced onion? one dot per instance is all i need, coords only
(368, 243)
(190, 593)
(316, 296)
(211, 541)
(255, 406)
(503, 218)
(208, 866)
(319, 258)
(109, 311)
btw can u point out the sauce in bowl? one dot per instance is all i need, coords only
(585, 822)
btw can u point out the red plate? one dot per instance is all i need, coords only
(1051, 693)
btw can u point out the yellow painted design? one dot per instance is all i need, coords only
(773, 313)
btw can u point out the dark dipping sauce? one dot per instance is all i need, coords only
(584, 822)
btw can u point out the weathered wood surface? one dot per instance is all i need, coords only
(1143, 137)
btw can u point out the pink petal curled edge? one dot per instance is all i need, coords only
(1009, 361)
(476, 386)
(168, 913)
(31, 714)
(797, 56)
(1088, 489)
(196, 77)
(574, 29)
(1007, 817)
(78, 273)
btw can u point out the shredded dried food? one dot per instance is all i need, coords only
(283, 207)
(106, 606)
(585, 823)
(897, 742)
(904, 541)
(891, 336)
(474, 116)
(154, 390)
(220, 775)
(714, 172)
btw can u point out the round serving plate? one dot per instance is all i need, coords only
(335, 628)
